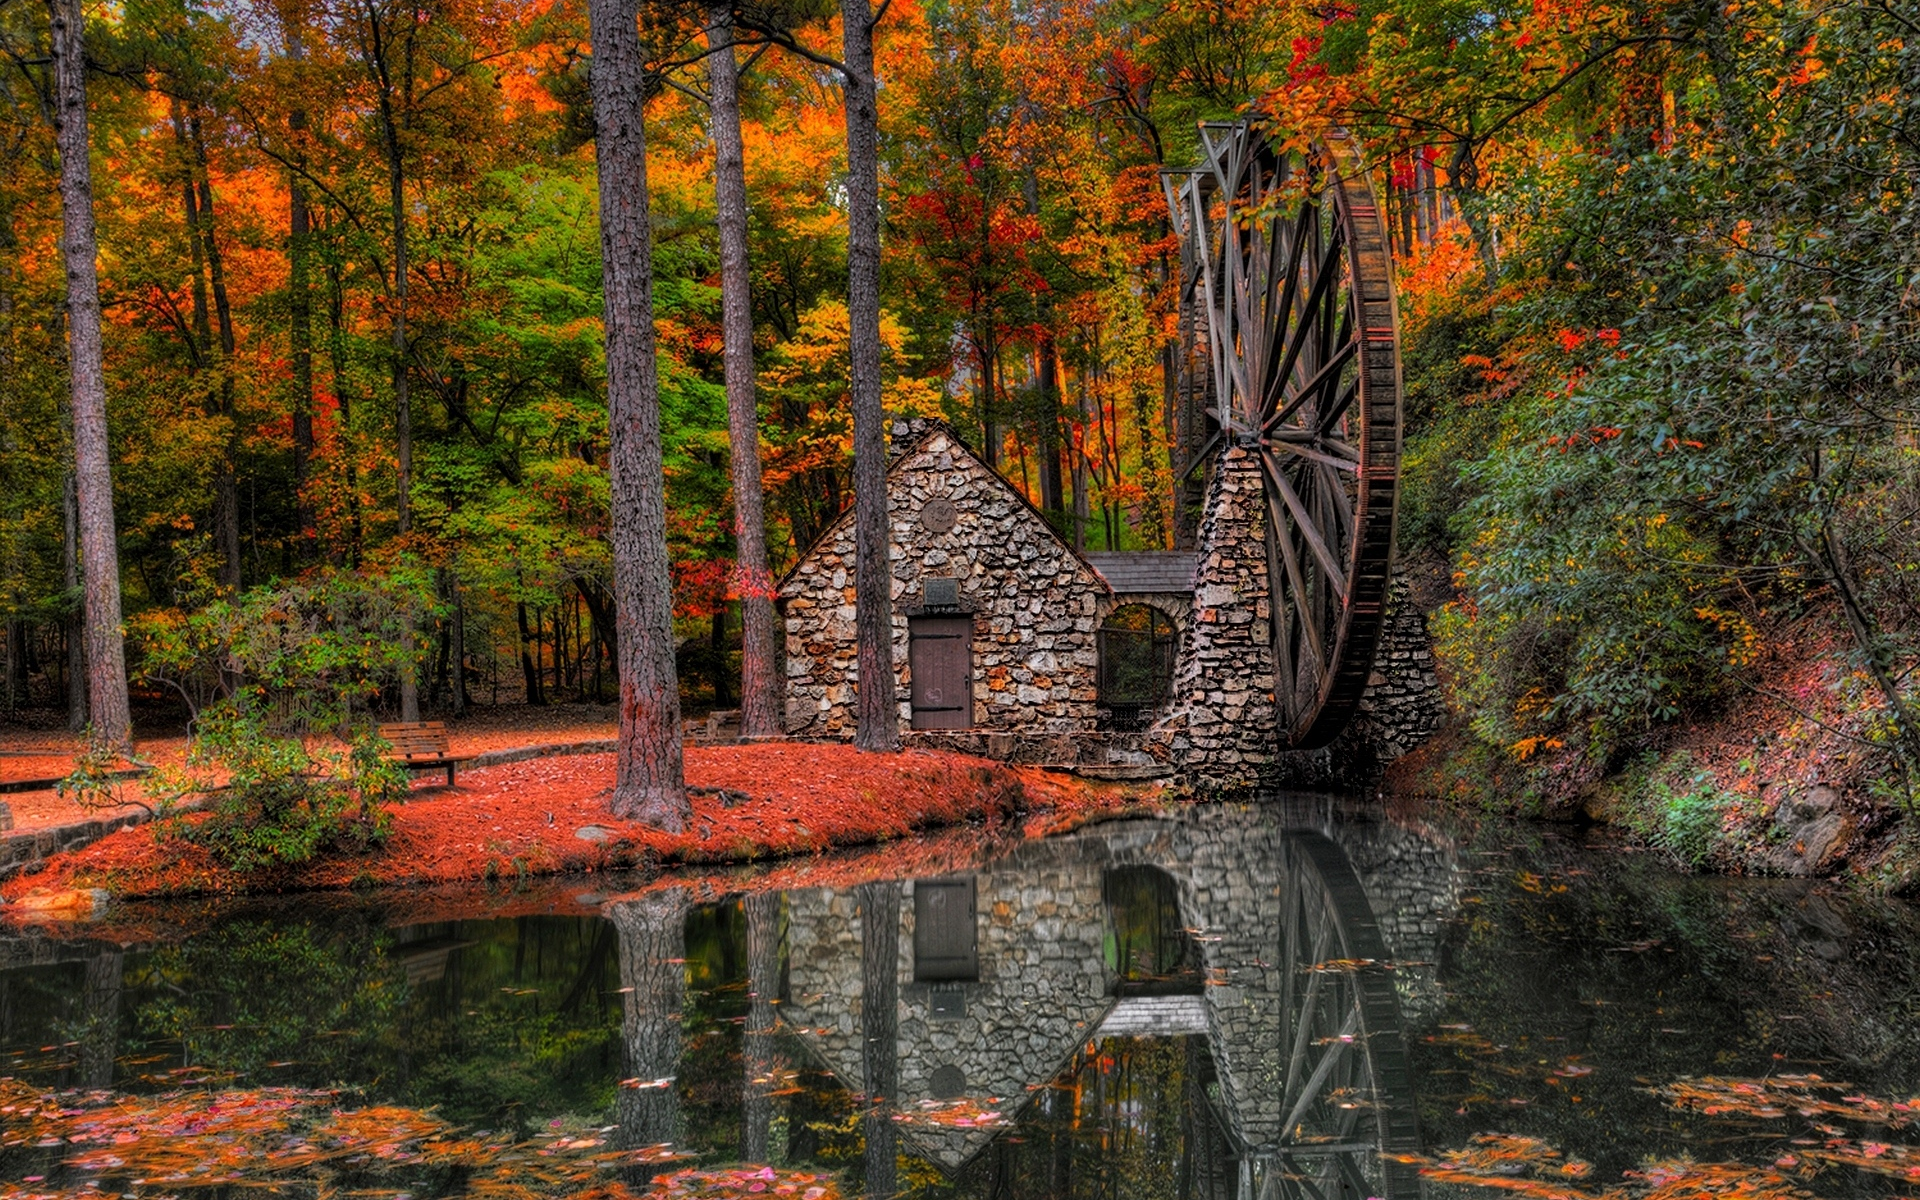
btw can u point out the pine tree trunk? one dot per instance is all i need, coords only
(649, 784)
(878, 709)
(653, 941)
(226, 490)
(879, 1032)
(300, 315)
(1049, 421)
(379, 50)
(459, 621)
(76, 621)
(106, 649)
(763, 989)
(759, 681)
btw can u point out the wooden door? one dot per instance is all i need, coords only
(946, 930)
(940, 661)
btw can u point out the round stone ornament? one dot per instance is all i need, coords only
(938, 515)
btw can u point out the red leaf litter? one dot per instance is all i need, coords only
(750, 801)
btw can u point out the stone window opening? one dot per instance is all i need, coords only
(1137, 647)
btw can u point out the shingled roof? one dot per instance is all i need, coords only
(1138, 572)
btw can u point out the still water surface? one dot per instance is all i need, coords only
(1282, 1000)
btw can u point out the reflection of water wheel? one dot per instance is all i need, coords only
(1293, 319)
(1347, 1093)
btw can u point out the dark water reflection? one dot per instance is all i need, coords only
(1281, 1000)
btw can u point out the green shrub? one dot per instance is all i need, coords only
(283, 801)
(1679, 808)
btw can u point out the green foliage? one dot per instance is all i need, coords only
(282, 801)
(1686, 403)
(1677, 806)
(306, 654)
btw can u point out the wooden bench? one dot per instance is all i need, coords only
(422, 746)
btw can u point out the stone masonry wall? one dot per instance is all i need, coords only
(1219, 725)
(1402, 706)
(1032, 600)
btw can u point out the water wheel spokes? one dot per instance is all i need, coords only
(1295, 321)
(1346, 1103)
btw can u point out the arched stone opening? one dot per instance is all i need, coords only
(1138, 644)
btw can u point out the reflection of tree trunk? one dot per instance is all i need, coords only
(763, 988)
(101, 1002)
(653, 980)
(879, 1016)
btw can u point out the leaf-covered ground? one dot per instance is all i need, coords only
(749, 802)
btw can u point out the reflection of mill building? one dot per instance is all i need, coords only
(1145, 929)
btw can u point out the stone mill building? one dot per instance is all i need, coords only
(998, 623)
(1009, 643)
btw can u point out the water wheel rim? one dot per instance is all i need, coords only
(1357, 371)
(1297, 339)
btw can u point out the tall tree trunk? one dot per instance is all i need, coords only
(653, 982)
(878, 708)
(763, 989)
(343, 398)
(649, 784)
(106, 649)
(1082, 401)
(989, 355)
(226, 490)
(76, 619)
(759, 680)
(379, 52)
(529, 672)
(1048, 418)
(879, 1033)
(459, 635)
(300, 311)
(717, 643)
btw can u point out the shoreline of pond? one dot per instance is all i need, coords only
(546, 815)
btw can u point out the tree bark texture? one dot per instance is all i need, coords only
(878, 710)
(653, 983)
(93, 469)
(77, 619)
(879, 1032)
(759, 678)
(649, 784)
(763, 989)
(379, 59)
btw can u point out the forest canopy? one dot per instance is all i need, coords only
(1657, 264)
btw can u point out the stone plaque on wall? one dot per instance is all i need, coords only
(938, 515)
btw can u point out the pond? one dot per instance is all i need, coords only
(1292, 999)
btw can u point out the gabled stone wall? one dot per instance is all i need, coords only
(1032, 600)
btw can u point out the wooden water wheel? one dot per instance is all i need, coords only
(1290, 334)
(1348, 1122)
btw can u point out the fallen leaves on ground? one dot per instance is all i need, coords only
(525, 819)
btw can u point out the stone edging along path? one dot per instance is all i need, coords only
(25, 850)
